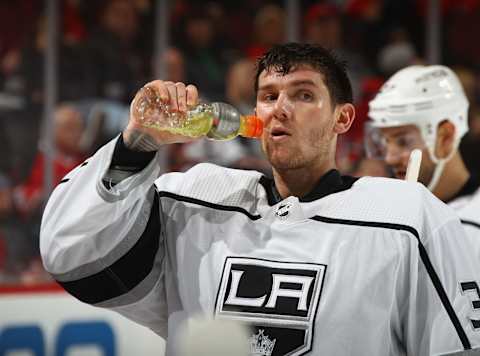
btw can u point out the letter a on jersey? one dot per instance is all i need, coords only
(277, 299)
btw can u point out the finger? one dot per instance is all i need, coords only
(162, 92)
(181, 97)
(192, 95)
(159, 89)
(172, 92)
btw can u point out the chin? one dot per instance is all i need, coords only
(284, 163)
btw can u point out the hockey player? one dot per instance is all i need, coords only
(314, 262)
(425, 107)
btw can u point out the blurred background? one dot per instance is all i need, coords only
(69, 68)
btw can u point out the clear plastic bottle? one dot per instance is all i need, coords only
(217, 121)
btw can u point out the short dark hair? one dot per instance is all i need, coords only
(286, 57)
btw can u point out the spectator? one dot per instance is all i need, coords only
(25, 86)
(73, 68)
(174, 64)
(269, 29)
(323, 26)
(23, 204)
(240, 93)
(116, 61)
(239, 85)
(29, 196)
(398, 53)
(205, 60)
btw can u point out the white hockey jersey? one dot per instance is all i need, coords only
(467, 207)
(370, 267)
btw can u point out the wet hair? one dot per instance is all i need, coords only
(287, 57)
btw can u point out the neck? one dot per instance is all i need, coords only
(299, 182)
(454, 177)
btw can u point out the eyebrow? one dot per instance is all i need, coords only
(401, 132)
(294, 83)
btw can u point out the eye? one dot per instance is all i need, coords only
(268, 97)
(304, 95)
(406, 142)
(402, 142)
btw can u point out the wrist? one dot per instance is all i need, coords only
(136, 140)
(129, 159)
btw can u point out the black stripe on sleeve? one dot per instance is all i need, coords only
(426, 262)
(125, 273)
(209, 205)
(65, 180)
(471, 223)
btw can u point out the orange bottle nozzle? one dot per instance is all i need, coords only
(251, 126)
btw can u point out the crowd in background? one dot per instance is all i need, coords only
(106, 52)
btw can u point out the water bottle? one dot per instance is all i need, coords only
(217, 121)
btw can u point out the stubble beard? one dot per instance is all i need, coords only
(296, 158)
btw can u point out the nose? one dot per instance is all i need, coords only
(393, 155)
(283, 108)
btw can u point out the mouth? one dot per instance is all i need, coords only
(279, 133)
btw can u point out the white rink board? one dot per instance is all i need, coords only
(52, 313)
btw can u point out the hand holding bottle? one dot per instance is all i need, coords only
(167, 112)
(159, 104)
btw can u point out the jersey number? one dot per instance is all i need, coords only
(472, 287)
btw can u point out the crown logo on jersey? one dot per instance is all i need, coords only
(261, 345)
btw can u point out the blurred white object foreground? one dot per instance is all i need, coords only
(214, 337)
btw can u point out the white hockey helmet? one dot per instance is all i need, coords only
(423, 96)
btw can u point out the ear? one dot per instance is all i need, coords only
(344, 116)
(445, 139)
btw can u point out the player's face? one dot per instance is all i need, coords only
(298, 118)
(398, 143)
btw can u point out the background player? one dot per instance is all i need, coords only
(425, 107)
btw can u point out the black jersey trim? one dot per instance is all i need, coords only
(208, 204)
(331, 182)
(65, 180)
(426, 262)
(125, 273)
(471, 223)
(124, 157)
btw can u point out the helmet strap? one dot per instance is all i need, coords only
(437, 173)
(440, 164)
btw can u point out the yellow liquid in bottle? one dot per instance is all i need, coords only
(218, 121)
(196, 125)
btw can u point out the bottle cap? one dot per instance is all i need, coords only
(253, 126)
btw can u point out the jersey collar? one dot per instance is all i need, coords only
(331, 182)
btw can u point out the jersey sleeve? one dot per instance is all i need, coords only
(103, 243)
(442, 306)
